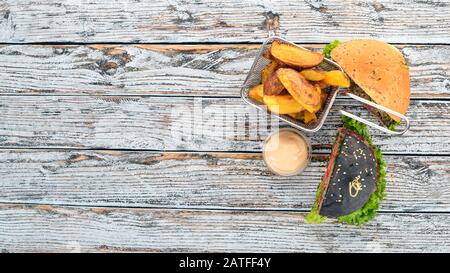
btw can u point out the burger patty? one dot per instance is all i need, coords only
(381, 115)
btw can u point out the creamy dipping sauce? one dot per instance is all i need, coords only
(286, 152)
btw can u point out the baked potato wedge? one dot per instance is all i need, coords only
(301, 89)
(313, 75)
(295, 56)
(273, 86)
(323, 96)
(256, 93)
(267, 55)
(299, 115)
(336, 78)
(282, 104)
(309, 117)
(268, 70)
(322, 85)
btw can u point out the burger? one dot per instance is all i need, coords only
(354, 181)
(378, 72)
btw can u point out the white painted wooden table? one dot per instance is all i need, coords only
(91, 156)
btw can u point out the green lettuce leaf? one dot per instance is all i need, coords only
(328, 48)
(393, 125)
(313, 217)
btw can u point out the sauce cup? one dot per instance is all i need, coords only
(289, 149)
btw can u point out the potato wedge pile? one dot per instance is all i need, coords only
(292, 84)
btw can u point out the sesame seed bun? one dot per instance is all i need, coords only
(379, 69)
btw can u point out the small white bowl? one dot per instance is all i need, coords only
(308, 145)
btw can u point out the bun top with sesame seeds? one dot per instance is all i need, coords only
(379, 69)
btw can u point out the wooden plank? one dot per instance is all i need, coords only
(194, 124)
(65, 229)
(222, 20)
(201, 180)
(197, 70)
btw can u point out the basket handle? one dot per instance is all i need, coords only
(271, 33)
(272, 23)
(377, 106)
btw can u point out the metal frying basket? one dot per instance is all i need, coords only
(254, 78)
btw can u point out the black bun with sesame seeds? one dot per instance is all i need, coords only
(355, 180)
(351, 176)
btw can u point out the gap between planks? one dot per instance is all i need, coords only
(175, 43)
(225, 152)
(343, 98)
(50, 205)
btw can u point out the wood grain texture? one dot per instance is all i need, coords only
(52, 229)
(411, 21)
(194, 124)
(139, 96)
(200, 180)
(194, 70)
